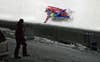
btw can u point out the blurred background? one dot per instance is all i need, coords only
(85, 12)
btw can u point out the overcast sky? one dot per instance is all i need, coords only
(86, 13)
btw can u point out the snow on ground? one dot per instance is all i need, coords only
(45, 50)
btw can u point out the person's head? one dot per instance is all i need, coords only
(64, 10)
(46, 10)
(21, 20)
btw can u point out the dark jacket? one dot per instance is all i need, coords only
(19, 34)
(2, 37)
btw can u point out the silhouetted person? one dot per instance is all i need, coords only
(20, 39)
